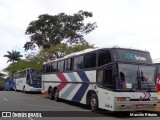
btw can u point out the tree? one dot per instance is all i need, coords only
(36, 61)
(51, 30)
(23, 64)
(29, 45)
(13, 56)
(60, 50)
(1, 80)
(2, 75)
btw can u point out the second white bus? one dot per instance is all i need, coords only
(27, 81)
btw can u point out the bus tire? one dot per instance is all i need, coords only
(56, 95)
(50, 93)
(24, 89)
(15, 89)
(93, 102)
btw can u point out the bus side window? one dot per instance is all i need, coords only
(54, 67)
(90, 60)
(48, 68)
(75, 63)
(61, 66)
(80, 63)
(104, 78)
(100, 77)
(93, 60)
(87, 61)
(67, 64)
(71, 63)
(58, 66)
(104, 57)
(108, 81)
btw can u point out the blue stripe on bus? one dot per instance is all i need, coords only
(68, 91)
(83, 76)
(35, 86)
(72, 77)
(80, 93)
(71, 88)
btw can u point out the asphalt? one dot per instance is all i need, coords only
(26, 103)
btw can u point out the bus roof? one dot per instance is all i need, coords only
(92, 49)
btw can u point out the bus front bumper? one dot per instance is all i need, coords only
(32, 89)
(135, 106)
(158, 97)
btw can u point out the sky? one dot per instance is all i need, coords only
(127, 23)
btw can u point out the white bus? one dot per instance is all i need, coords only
(27, 81)
(115, 79)
(157, 75)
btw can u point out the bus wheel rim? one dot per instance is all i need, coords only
(56, 95)
(93, 103)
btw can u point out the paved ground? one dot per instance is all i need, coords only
(22, 103)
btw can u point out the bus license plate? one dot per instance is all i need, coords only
(139, 106)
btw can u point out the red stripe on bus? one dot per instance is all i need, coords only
(46, 92)
(64, 81)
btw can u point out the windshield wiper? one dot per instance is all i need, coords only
(139, 80)
(143, 79)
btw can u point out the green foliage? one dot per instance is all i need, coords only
(50, 30)
(13, 56)
(1, 80)
(2, 75)
(53, 52)
(77, 48)
(23, 64)
(61, 50)
(36, 60)
(1, 84)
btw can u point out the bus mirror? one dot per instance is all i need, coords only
(158, 80)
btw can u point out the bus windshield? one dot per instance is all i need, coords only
(33, 77)
(136, 77)
(32, 72)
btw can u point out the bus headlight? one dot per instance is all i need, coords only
(120, 99)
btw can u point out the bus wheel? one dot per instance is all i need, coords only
(93, 102)
(50, 93)
(24, 89)
(56, 95)
(15, 89)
